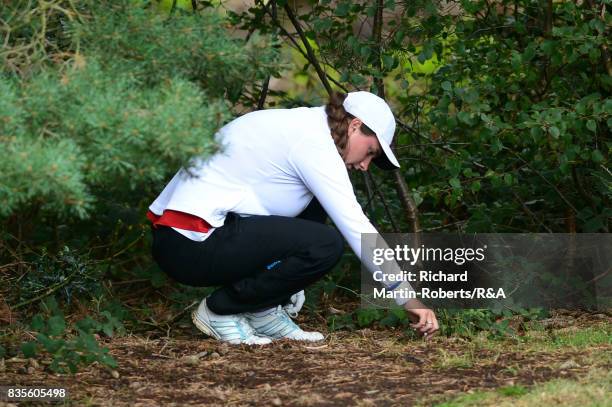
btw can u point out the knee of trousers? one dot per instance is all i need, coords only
(329, 248)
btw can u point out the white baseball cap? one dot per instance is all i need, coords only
(375, 113)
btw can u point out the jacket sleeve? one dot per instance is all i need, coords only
(325, 175)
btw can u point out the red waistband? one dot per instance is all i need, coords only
(179, 220)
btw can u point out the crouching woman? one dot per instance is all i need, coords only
(251, 218)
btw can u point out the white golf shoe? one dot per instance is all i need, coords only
(234, 329)
(276, 324)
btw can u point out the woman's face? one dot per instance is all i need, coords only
(360, 148)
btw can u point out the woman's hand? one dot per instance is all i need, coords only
(424, 320)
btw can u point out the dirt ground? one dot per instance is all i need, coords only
(362, 368)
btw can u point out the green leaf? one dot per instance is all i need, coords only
(108, 360)
(50, 345)
(554, 131)
(29, 349)
(389, 321)
(108, 329)
(322, 24)
(366, 317)
(585, 47)
(357, 79)
(591, 125)
(388, 61)
(455, 183)
(389, 4)
(88, 342)
(529, 53)
(516, 61)
(329, 286)
(341, 321)
(447, 86)
(51, 306)
(597, 156)
(464, 117)
(471, 95)
(597, 25)
(158, 278)
(400, 313)
(88, 324)
(56, 325)
(365, 51)
(371, 11)
(72, 366)
(418, 199)
(536, 132)
(548, 47)
(594, 225)
(497, 145)
(38, 323)
(342, 9)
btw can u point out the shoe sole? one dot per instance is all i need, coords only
(304, 339)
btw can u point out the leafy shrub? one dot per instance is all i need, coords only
(67, 275)
(54, 338)
(464, 323)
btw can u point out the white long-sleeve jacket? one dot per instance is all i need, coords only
(272, 162)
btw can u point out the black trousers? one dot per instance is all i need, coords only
(237, 255)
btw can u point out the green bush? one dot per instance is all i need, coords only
(65, 276)
(67, 350)
(136, 96)
(101, 102)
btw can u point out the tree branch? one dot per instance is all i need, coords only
(384, 202)
(410, 207)
(311, 56)
(370, 194)
(264, 94)
(529, 212)
(567, 202)
(377, 37)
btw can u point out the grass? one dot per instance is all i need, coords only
(573, 338)
(580, 338)
(592, 390)
(542, 340)
(447, 360)
(586, 346)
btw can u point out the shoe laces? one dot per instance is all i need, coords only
(291, 314)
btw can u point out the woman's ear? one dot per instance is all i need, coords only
(355, 124)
